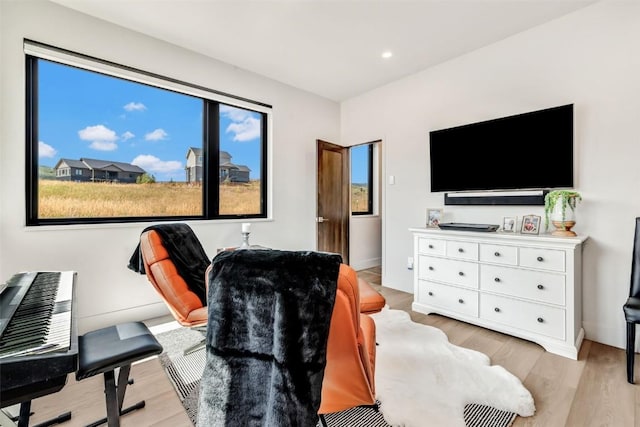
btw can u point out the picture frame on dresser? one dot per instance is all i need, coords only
(434, 216)
(530, 224)
(509, 224)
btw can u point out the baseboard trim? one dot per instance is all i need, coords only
(134, 314)
(366, 263)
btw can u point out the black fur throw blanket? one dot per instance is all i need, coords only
(269, 316)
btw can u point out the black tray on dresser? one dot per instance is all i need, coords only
(463, 226)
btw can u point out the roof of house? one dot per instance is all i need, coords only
(229, 165)
(85, 163)
(72, 163)
(196, 151)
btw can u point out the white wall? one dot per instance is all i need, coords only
(365, 241)
(107, 291)
(589, 58)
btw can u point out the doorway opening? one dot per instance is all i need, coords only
(349, 208)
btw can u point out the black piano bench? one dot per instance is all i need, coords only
(104, 350)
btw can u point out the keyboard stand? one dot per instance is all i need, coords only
(22, 420)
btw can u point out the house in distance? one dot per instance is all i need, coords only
(93, 170)
(229, 172)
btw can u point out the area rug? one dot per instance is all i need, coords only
(419, 376)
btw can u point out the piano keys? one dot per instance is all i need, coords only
(38, 335)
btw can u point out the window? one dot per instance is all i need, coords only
(124, 145)
(362, 179)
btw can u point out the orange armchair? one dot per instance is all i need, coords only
(351, 349)
(183, 303)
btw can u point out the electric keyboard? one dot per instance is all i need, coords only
(38, 335)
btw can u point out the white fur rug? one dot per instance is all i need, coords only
(423, 379)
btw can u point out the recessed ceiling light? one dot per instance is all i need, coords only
(387, 54)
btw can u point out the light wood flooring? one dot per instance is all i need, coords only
(591, 391)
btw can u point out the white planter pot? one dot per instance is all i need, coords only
(563, 221)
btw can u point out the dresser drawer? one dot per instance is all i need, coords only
(542, 259)
(431, 246)
(456, 272)
(528, 316)
(533, 285)
(463, 301)
(498, 254)
(462, 250)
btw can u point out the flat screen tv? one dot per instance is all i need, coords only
(522, 152)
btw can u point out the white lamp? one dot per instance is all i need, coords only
(246, 230)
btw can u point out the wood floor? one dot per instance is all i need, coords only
(591, 391)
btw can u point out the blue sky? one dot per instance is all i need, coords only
(86, 114)
(359, 170)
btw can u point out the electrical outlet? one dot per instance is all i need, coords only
(410, 263)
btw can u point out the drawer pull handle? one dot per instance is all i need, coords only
(496, 253)
(497, 279)
(430, 268)
(540, 259)
(460, 250)
(497, 310)
(460, 273)
(430, 246)
(541, 287)
(461, 301)
(540, 320)
(430, 293)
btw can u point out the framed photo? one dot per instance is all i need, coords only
(434, 216)
(509, 224)
(530, 224)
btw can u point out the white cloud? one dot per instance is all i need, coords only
(235, 114)
(156, 135)
(245, 126)
(153, 164)
(97, 133)
(45, 150)
(135, 106)
(246, 130)
(102, 138)
(104, 145)
(127, 135)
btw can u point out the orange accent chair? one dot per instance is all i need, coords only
(351, 348)
(184, 304)
(349, 375)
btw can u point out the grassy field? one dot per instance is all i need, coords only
(359, 198)
(59, 199)
(64, 199)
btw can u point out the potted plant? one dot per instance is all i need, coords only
(559, 208)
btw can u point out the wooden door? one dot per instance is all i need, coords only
(332, 217)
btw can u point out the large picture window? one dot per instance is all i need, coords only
(103, 148)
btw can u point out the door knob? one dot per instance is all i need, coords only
(321, 219)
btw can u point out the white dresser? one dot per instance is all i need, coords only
(527, 286)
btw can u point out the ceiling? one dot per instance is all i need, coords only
(330, 48)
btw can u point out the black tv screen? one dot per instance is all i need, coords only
(522, 152)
